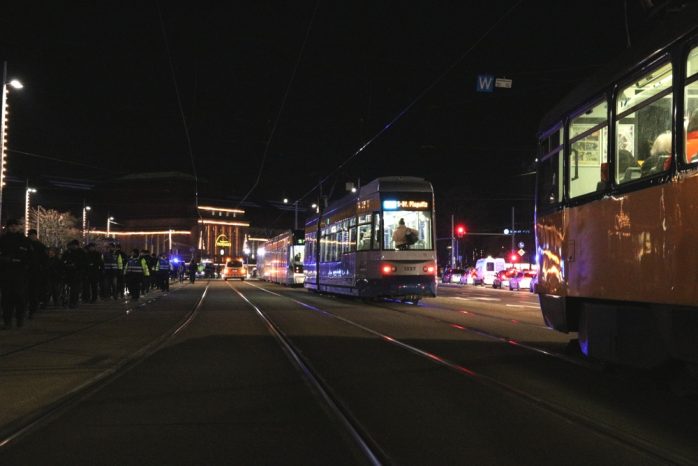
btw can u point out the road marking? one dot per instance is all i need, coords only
(477, 298)
(523, 305)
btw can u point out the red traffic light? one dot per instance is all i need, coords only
(514, 257)
(460, 231)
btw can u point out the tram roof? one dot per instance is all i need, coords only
(673, 27)
(396, 183)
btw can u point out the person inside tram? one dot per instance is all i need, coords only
(659, 154)
(692, 138)
(404, 236)
(625, 161)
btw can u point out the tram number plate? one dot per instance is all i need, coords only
(408, 268)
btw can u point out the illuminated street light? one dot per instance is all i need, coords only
(3, 127)
(285, 200)
(85, 209)
(110, 220)
(29, 192)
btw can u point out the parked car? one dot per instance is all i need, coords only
(452, 275)
(470, 277)
(534, 283)
(501, 279)
(522, 280)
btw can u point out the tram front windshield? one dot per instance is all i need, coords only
(419, 220)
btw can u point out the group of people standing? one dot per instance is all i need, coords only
(34, 276)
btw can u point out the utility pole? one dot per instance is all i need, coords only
(513, 231)
(453, 243)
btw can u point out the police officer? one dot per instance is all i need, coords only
(109, 273)
(15, 257)
(74, 267)
(134, 273)
(55, 278)
(163, 272)
(94, 272)
(37, 285)
(121, 259)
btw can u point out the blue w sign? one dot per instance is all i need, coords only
(485, 83)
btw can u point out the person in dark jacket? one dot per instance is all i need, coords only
(74, 265)
(55, 278)
(94, 273)
(36, 279)
(193, 268)
(15, 257)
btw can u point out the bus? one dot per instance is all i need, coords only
(616, 214)
(351, 248)
(283, 258)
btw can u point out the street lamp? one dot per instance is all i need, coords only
(85, 209)
(29, 192)
(109, 222)
(3, 127)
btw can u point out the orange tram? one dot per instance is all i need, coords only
(617, 205)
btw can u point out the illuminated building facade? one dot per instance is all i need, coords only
(158, 212)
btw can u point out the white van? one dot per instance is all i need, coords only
(487, 269)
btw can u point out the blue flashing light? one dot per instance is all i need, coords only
(390, 205)
(175, 260)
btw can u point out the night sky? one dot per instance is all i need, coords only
(306, 83)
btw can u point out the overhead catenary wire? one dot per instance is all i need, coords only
(56, 159)
(281, 108)
(414, 101)
(181, 108)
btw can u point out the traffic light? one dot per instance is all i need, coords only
(513, 257)
(460, 231)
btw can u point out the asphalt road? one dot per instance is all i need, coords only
(471, 377)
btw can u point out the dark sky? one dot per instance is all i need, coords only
(100, 91)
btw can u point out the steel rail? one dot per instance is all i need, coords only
(14, 431)
(495, 337)
(595, 426)
(363, 441)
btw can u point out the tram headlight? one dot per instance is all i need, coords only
(387, 268)
(428, 269)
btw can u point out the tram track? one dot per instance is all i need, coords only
(494, 336)
(594, 425)
(19, 428)
(367, 447)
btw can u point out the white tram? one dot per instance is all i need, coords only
(349, 247)
(283, 258)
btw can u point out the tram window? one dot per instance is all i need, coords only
(352, 239)
(691, 109)
(692, 63)
(376, 230)
(643, 138)
(364, 243)
(417, 220)
(588, 150)
(550, 180)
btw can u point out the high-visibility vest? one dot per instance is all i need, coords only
(109, 262)
(162, 264)
(137, 265)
